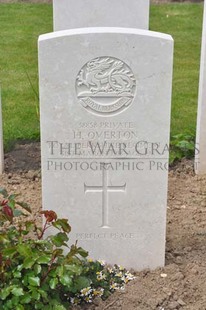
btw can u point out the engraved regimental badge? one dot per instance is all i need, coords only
(105, 86)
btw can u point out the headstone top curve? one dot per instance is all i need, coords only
(104, 30)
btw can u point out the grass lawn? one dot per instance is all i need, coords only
(20, 26)
(184, 23)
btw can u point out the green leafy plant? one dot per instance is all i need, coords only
(44, 272)
(182, 146)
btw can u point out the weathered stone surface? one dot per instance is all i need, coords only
(200, 154)
(69, 14)
(105, 97)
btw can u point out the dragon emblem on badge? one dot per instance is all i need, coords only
(105, 86)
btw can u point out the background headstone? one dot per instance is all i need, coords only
(69, 14)
(200, 156)
(1, 141)
(105, 119)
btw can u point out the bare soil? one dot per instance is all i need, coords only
(182, 283)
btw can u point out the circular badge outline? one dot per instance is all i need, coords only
(111, 113)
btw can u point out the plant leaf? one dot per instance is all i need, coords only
(44, 259)
(34, 281)
(17, 291)
(4, 293)
(17, 213)
(59, 239)
(62, 224)
(66, 280)
(9, 251)
(25, 206)
(53, 283)
(82, 282)
(82, 252)
(3, 192)
(24, 250)
(26, 298)
(29, 262)
(20, 307)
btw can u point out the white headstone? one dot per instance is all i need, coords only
(200, 156)
(1, 141)
(105, 97)
(69, 14)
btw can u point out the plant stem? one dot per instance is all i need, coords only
(43, 231)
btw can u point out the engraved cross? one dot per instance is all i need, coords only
(104, 189)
